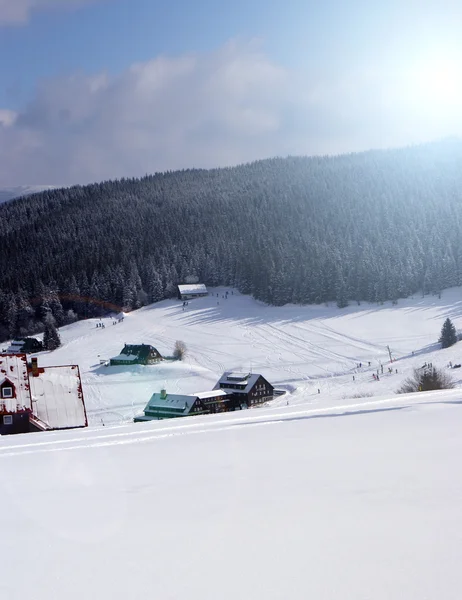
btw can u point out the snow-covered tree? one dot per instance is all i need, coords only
(448, 335)
(51, 339)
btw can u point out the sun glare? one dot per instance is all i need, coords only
(438, 84)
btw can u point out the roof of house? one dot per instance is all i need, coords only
(193, 288)
(211, 394)
(13, 367)
(15, 347)
(229, 378)
(135, 352)
(179, 403)
(57, 397)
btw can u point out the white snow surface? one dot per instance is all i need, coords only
(328, 497)
(296, 348)
(211, 394)
(356, 502)
(56, 397)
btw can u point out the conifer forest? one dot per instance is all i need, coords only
(374, 226)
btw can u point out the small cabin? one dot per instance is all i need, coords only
(26, 345)
(141, 354)
(192, 290)
(247, 389)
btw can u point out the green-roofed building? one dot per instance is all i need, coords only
(141, 354)
(168, 406)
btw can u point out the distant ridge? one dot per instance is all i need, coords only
(10, 193)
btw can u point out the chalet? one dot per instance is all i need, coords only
(39, 399)
(25, 346)
(141, 354)
(190, 291)
(169, 406)
(247, 389)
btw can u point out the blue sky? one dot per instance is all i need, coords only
(94, 89)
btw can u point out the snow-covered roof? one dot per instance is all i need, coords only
(57, 397)
(193, 288)
(126, 357)
(177, 402)
(135, 352)
(13, 367)
(211, 394)
(15, 347)
(229, 378)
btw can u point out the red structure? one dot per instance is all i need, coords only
(34, 398)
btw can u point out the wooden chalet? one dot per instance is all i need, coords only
(247, 389)
(169, 406)
(141, 354)
(26, 345)
(192, 290)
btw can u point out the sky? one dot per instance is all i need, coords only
(101, 89)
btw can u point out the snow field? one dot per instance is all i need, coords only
(328, 497)
(299, 349)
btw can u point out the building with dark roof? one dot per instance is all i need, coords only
(246, 388)
(137, 354)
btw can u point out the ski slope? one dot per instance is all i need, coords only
(354, 502)
(326, 496)
(298, 349)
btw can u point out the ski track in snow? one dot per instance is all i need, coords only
(300, 349)
(100, 437)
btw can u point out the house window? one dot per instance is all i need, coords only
(7, 420)
(7, 392)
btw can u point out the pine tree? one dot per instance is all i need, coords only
(51, 339)
(448, 334)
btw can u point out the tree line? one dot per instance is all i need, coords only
(373, 226)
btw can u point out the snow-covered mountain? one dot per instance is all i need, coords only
(348, 493)
(22, 190)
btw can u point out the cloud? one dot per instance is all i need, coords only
(17, 12)
(204, 110)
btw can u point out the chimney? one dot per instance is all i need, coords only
(34, 367)
(163, 394)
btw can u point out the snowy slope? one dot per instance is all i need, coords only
(365, 502)
(299, 349)
(328, 497)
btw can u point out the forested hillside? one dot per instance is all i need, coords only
(373, 226)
